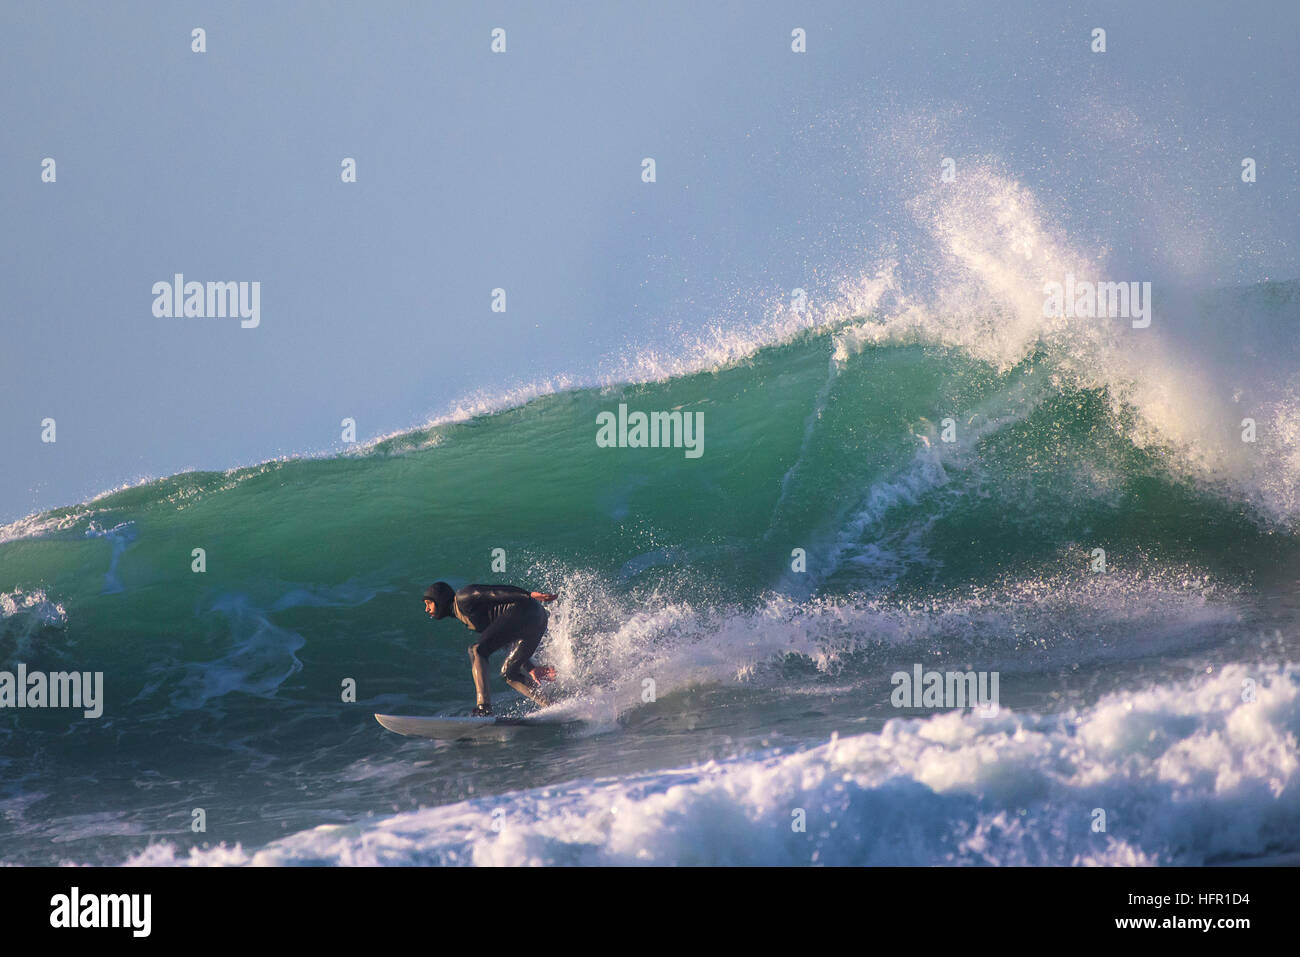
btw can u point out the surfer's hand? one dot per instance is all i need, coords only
(543, 673)
(543, 596)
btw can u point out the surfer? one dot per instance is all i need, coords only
(502, 615)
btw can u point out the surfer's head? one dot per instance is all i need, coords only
(437, 599)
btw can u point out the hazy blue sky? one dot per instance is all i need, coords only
(522, 170)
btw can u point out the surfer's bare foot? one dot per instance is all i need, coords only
(482, 711)
(543, 673)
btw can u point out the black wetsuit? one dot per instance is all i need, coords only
(503, 614)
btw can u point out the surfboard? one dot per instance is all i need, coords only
(450, 728)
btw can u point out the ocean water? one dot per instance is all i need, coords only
(1159, 691)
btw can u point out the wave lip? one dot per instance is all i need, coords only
(1204, 771)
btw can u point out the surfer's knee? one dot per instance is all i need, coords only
(476, 653)
(512, 672)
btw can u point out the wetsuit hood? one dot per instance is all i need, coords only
(442, 595)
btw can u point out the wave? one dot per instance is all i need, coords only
(914, 465)
(853, 466)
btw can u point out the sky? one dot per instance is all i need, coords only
(522, 170)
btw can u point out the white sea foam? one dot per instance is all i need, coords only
(1201, 771)
(605, 645)
(989, 246)
(25, 614)
(33, 605)
(42, 523)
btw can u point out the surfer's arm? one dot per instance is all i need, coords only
(509, 594)
(501, 594)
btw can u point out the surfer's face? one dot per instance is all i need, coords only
(430, 609)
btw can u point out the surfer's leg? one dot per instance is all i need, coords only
(518, 665)
(517, 670)
(495, 637)
(529, 689)
(478, 668)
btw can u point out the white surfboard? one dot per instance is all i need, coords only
(444, 728)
